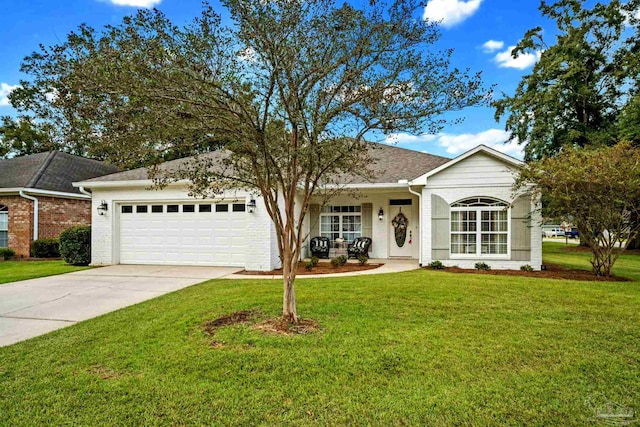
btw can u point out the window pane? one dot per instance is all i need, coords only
(204, 208)
(126, 209)
(4, 239)
(188, 208)
(4, 221)
(172, 208)
(239, 207)
(157, 209)
(142, 209)
(222, 208)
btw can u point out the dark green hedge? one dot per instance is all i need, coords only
(45, 248)
(75, 245)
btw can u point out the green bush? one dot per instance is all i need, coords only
(363, 259)
(338, 261)
(45, 248)
(482, 266)
(526, 267)
(7, 253)
(314, 260)
(436, 265)
(309, 265)
(75, 245)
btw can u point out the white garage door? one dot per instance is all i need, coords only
(183, 233)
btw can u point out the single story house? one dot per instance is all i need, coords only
(38, 200)
(420, 206)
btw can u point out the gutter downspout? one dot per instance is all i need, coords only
(83, 191)
(35, 212)
(419, 222)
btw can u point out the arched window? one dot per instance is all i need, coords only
(480, 227)
(4, 226)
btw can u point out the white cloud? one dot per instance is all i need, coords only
(492, 46)
(136, 3)
(460, 143)
(450, 12)
(5, 90)
(524, 60)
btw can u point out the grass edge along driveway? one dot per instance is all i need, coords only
(13, 271)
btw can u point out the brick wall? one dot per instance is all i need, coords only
(55, 215)
(20, 223)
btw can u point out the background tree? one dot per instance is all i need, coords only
(290, 88)
(600, 189)
(576, 91)
(22, 136)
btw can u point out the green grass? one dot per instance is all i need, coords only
(417, 348)
(12, 271)
(627, 265)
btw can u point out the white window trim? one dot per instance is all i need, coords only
(341, 215)
(5, 211)
(479, 233)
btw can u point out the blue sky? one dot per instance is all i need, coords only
(480, 31)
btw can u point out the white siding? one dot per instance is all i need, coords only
(479, 169)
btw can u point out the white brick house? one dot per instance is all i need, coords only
(458, 211)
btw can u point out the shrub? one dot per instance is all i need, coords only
(436, 265)
(526, 267)
(309, 265)
(339, 261)
(363, 259)
(7, 253)
(314, 260)
(45, 248)
(482, 266)
(75, 245)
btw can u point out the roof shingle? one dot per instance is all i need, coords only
(391, 165)
(52, 171)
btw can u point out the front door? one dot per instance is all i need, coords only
(402, 229)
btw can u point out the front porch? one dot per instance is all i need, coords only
(390, 217)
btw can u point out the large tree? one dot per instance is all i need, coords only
(576, 91)
(289, 88)
(23, 136)
(598, 189)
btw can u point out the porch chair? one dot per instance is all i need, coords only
(320, 247)
(359, 246)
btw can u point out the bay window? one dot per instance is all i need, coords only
(480, 228)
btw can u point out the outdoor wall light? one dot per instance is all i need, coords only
(103, 208)
(380, 214)
(251, 206)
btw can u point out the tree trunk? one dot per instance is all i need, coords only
(289, 270)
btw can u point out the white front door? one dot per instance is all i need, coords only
(402, 231)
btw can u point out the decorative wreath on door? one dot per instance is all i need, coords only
(400, 224)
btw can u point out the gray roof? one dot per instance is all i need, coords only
(52, 171)
(391, 165)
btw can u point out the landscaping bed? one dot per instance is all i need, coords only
(552, 272)
(321, 268)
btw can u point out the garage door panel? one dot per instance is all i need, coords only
(182, 238)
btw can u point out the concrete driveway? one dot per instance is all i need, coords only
(34, 307)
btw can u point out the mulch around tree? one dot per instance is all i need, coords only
(552, 272)
(276, 326)
(321, 268)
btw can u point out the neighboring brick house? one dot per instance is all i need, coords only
(37, 199)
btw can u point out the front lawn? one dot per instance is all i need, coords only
(573, 256)
(12, 271)
(416, 348)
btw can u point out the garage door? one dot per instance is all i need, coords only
(183, 233)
